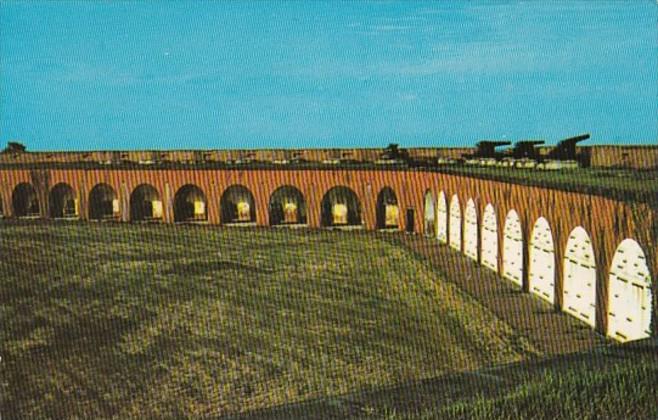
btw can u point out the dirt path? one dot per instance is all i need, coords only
(552, 332)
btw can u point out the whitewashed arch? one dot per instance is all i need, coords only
(541, 264)
(429, 214)
(471, 230)
(490, 238)
(455, 223)
(629, 297)
(513, 248)
(442, 218)
(579, 289)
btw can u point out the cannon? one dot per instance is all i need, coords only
(394, 152)
(566, 148)
(485, 153)
(526, 149)
(487, 148)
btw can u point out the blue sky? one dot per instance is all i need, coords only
(220, 74)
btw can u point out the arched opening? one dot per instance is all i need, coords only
(490, 238)
(629, 297)
(63, 202)
(340, 207)
(287, 206)
(442, 218)
(513, 248)
(429, 213)
(190, 204)
(145, 204)
(25, 201)
(455, 223)
(541, 266)
(237, 205)
(471, 230)
(388, 213)
(103, 203)
(579, 289)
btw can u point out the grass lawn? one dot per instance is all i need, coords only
(104, 320)
(620, 184)
(617, 382)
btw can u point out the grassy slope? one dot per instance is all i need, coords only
(621, 184)
(609, 383)
(127, 320)
(605, 385)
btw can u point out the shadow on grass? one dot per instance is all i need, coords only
(430, 395)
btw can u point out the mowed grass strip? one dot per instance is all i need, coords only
(134, 320)
(614, 382)
(625, 388)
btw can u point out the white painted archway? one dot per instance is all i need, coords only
(429, 213)
(541, 265)
(442, 218)
(579, 289)
(629, 296)
(490, 238)
(513, 248)
(471, 230)
(455, 223)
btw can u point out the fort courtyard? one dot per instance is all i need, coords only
(107, 319)
(351, 283)
(326, 210)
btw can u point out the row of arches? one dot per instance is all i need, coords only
(340, 205)
(629, 297)
(532, 258)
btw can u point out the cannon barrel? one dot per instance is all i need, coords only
(493, 143)
(486, 149)
(575, 139)
(528, 143)
(566, 149)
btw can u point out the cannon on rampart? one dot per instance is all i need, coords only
(566, 149)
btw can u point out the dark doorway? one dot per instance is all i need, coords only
(387, 209)
(238, 205)
(25, 201)
(410, 220)
(63, 203)
(145, 204)
(287, 206)
(103, 203)
(340, 207)
(190, 204)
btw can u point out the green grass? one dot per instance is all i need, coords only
(617, 382)
(620, 184)
(104, 320)
(582, 389)
(110, 320)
